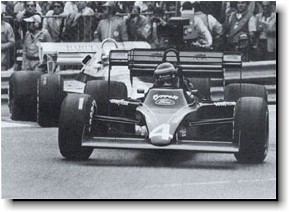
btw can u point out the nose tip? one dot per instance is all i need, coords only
(159, 141)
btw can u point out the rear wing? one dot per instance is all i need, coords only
(118, 58)
(68, 53)
(143, 62)
(73, 53)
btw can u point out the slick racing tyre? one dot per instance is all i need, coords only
(251, 129)
(23, 95)
(203, 85)
(98, 89)
(76, 112)
(50, 95)
(234, 91)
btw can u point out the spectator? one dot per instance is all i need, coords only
(83, 9)
(150, 8)
(30, 10)
(7, 43)
(79, 24)
(93, 5)
(227, 9)
(86, 22)
(3, 8)
(70, 7)
(214, 27)
(112, 26)
(238, 33)
(54, 25)
(98, 7)
(202, 37)
(142, 5)
(34, 35)
(9, 8)
(156, 22)
(137, 25)
(18, 7)
(265, 23)
(46, 6)
(214, 8)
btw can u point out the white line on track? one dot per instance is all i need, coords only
(5, 124)
(210, 183)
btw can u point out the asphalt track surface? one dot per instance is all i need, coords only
(32, 168)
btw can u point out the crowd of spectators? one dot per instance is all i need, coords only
(247, 27)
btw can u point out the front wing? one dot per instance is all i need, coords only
(142, 143)
(137, 142)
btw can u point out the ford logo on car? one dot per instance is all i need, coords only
(165, 102)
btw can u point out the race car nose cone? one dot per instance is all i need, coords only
(161, 136)
(160, 142)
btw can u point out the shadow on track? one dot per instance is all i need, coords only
(155, 159)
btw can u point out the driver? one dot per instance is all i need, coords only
(166, 75)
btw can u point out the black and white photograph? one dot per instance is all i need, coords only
(139, 100)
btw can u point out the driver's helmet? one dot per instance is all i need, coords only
(166, 75)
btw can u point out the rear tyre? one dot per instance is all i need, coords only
(234, 91)
(251, 129)
(23, 95)
(50, 96)
(98, 89)
(203, 85)
(76, 112)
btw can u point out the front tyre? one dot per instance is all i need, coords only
(76, 113)
(251, 129)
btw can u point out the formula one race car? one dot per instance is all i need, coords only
(172, 115)
(37, 96)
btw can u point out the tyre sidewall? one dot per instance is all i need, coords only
(23, 95)
(75, 115)
(235, 91)
(50, 96)
(251, 129)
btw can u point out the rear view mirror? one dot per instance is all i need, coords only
(86, 59)
(140, 91)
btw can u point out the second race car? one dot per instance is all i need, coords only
(37, 96)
